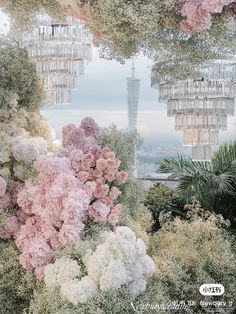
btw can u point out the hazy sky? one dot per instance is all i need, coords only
(103, 85)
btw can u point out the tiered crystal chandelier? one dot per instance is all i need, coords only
(59, 50)
(201, 106)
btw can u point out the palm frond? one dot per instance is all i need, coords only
(224, 158)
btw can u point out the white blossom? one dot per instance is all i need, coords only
(120, 260)
(63, 270)
(28, 149)
(76, 291)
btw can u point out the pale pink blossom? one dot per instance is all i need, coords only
(75, 157)
(107, 201)
(70, 233)
(101, 164)
(83, 176)
(97, 173)
(110, 177)
(114, 193)
(90, 187)
(101, 191)
(198, 14)
(90, 127)
(15, 190)
(114, 214)
(107, 153)
(99, 212)
(121, 177)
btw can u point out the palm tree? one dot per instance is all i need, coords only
(212, 183)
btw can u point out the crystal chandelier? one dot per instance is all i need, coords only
(201, 106)
(59, 50)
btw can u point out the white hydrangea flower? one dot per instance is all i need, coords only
(63, 270)
(76, 291)
(114, 277)
(28, 149)
(120, 260)
(137, 287)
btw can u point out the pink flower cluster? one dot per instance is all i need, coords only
(198, 14)
(76, 185)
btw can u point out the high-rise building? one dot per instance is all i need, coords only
(201, 105)
(59, 50)
(133, 87)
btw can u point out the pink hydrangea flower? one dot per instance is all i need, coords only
(101, 164)
(107, 201)
(83, 176)
(101, 191)
(121, 177)
(99, 212)
(90, 187)
(90, 127)
(70, 233)
(198, 14)
(70, 187)
(114, 214)
(107, 153)
(114, 193)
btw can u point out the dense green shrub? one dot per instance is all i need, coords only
(16, 288)
(162, 198)
(18, 75)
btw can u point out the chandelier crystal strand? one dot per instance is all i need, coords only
(59, 50)
(201, 105)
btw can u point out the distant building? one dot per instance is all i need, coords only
(133, 87)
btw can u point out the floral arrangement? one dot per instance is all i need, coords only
(66, 245)
(77, 184)
(198, 14)
(120, 260)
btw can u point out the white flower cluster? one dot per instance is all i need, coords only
(63, 270)
(28, 149)
(120, 260)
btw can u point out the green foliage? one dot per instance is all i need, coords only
(18, 75)
(23, 12)
(123, 143)
(16, 288)
(189, 253)
(162, 198)
(213, 183)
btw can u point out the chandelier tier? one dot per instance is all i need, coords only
(201, 105)
(59, 50)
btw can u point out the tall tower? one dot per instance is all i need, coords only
(133, 86)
